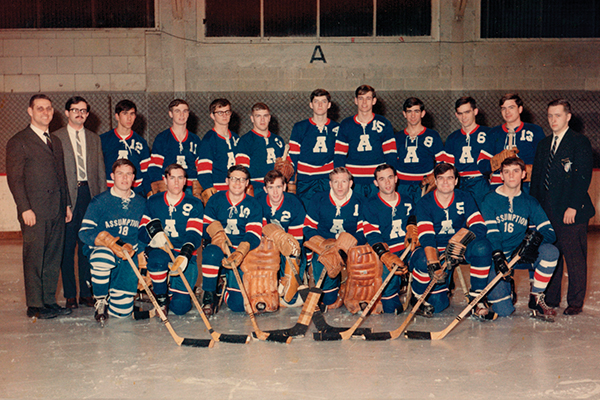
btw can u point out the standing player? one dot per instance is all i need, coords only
(508, 213)
(514, 133)
(241, 217)
(419, 149)
(123, 142)
(109, 229)
(441, 214)
(364, 141)
(329, 214)
(470, 149)
(180, 216)
(219, 150)
(175, 145)
(312, 147)
(259, 148)
(386, 218)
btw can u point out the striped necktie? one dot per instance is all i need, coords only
(48, 141)
(550, 158)
(81, 175)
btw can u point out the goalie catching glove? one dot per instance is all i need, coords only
(389, 259)
(284, 242)
(528, 250)
(332, 257)
(115, 244)
(183, 259)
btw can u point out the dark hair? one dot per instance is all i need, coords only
(259, 106)
(175, 166)
(272, 175)
(340, 170)
(176, 103)
(123, 161)
(364, 89)
(75, 100)
(411, 102)
(511, 96)
(320, 92)
(442, 168)
(238, 167)
(465, 100)
(561, 102)
(216, 103)
(37, 97)
(383, 167)
(125, 105)
(512, 161)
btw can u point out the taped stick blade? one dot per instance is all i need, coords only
(326, 336)
(240, 339)
(418, 335)
(279, 338)
(377, 336)
(198, 342)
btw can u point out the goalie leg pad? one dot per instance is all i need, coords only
(364, 278)
(288, 285)
(260, 269)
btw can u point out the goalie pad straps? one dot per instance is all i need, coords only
(364, 278)
(260, 269)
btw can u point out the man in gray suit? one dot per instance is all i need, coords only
(36, 177)
(84, 167)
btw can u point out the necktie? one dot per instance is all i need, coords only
(48, 141)
(550, 158)
(81, 175)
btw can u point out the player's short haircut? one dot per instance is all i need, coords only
(216, 103)
(175, 166)
(272, 175)
(511, 96)
(75, 100)
(37, 97)
(513, 161)
(561, 102)
(411, 102)
(125, 105)
(259, 107)
(383, 167)
(340, 170)
(238, 167)
(364, 89)
(123, 161)
(442, 168)
(177, 102)
(465, 100)
(319, 93)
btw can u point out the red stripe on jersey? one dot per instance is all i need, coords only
(451, 157)
(157, 160)
(255, 228)
(243, 160)
(475, 218)
(442, 156)
(296, 232)
(194, 224)
(412, 177)
(389, 146)
(220, 186)
(361, 170)
(469, 174)
(425, 227)
(138, 182)
(145, 220)
(370, 228)
(341, 147)
(496, 179)
(309, 222)
(484, 155)
(294, 147)
(207, 220)
(308, 169)
(204, 166)
(397, 247)
(144, 164)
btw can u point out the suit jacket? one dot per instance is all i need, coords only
(570, 176)
(96, 177)
(36, 175)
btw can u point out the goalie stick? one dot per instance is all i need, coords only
(178, 339)
(345, 335)
(468, 238)
(442, 334)
(218, 337)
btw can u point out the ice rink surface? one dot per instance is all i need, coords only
(511, 358)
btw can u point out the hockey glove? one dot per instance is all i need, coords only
(236, 258)
(528, 250)
(285, 167)
(433, 265)
(412, 234)
(183, 259)
(157, 234)
(500, 264)
(283, 241)
(389, 259)
(115, 244)
(206, 194)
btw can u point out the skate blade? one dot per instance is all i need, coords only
(542, 317)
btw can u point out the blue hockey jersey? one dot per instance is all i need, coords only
(216, 156)
(418, 156)
(311, 150)
(325, 219)
(258, 154)
(167, 150)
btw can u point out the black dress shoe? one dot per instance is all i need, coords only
(41, 313)
(573, 310)
(71, 303)
(87, 301)
(58, 309)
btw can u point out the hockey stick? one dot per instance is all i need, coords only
(218, 337)
(348, 333)
(442, 334)
(463, 284)
(178, 339)
(408, 292)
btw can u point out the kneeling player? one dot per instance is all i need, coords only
(110, 229)
(441, 214)
(175, 218)
(508, 212)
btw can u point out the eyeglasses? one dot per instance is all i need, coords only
(81, 111)
(222, 113)
(236, 179)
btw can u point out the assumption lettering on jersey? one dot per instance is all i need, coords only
(113, 223)
(509, 220)
(181, 161)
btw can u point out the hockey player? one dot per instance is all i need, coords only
(175, 145)
(386, 219)
(470, 149)
(514, 133)
(285, 210)
(329, 214)
(179, 216)
(419, 149)
(364, 141)
(312, 147)
(441, 214)
(241, 217)
(109, 229)
(508, 213)
(123, 142)
(259, 148)
(218, 152)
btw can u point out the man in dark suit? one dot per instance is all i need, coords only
(562, 172)
(36, 178)
(84, 167)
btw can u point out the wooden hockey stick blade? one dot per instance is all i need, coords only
(178, 339)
